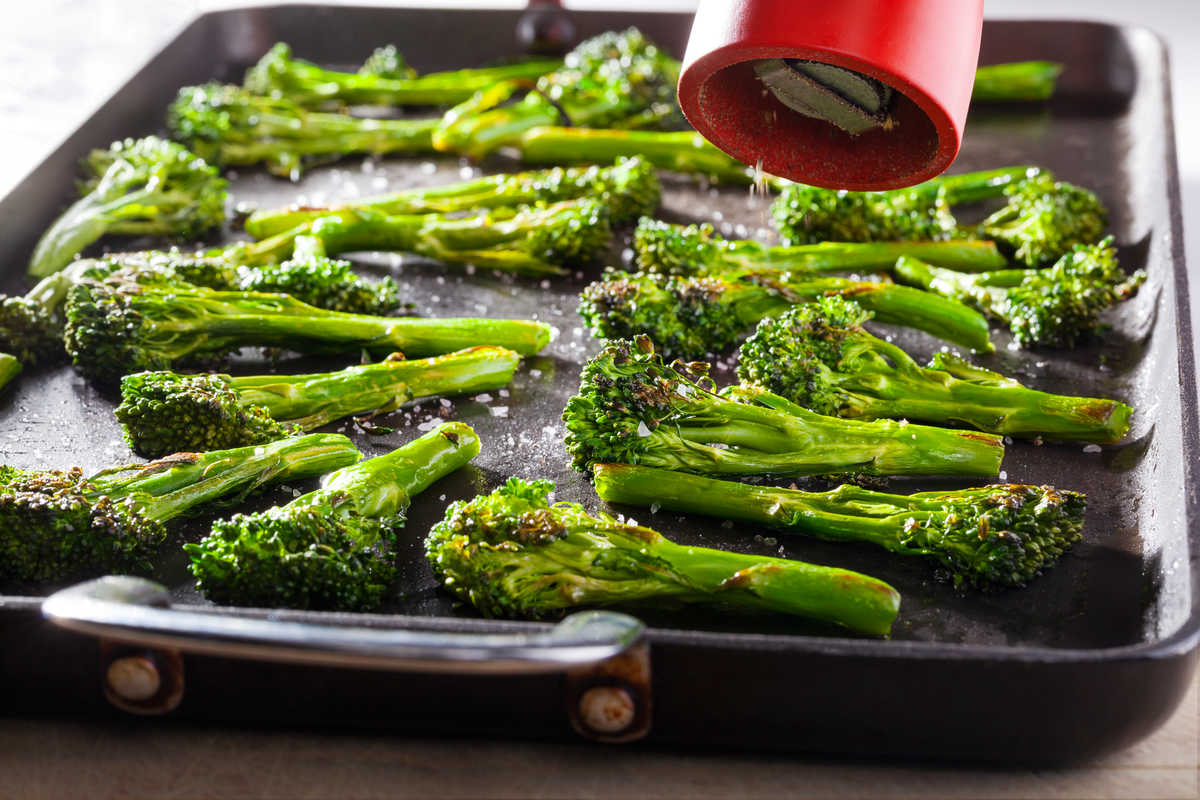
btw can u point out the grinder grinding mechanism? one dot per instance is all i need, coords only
(843, 94)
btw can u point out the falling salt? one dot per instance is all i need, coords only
(1092, 448)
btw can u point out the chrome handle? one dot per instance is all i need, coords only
(136, 611)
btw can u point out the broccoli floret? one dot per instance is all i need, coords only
(1044, 219)
(819, 356)
(514, 554)
(115, 328)
(614, 80)
(997, 536)
(333, 548)
(1051, 307)
(691, 317)
(60, 525)
(137, 187)
(808, 215)
(164, 412)
(632, 408)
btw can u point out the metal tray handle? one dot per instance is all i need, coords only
(136, 611)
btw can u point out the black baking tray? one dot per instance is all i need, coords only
(1089, 658)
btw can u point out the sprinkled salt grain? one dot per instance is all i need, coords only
(1008, 440)
(545, 284)
(428, 424)
(741, 231)
(535, 373)
(285, 488)
(445, 403)
(466, 173)
(642, 430)
(1039, 364)
(632, 521)
(499, 411)
(627, 255)
(482, 398)
(503, 392)
(1092, 448)
(770, 541)
(379, 182)
(654, 507)
(469, 269)
(1003, 475)
(481, 308)
(428, 168)
(295, 492)
(717, 216)
(368, 165)
(442, 497)
(435, 298)
(758, 537)
(440, 280)
(232, 174)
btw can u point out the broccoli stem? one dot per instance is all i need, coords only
(325, 135)
(311, 401)
(1016, 82)
(384, 486)
(965, 256)
(170, 486)
(952, 391)
(251, 318)
(678, 151)
(781, 438)
(983, 290)
(10, 368)
(971, 187)
(992, 536)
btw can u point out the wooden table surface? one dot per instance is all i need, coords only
(58, 59)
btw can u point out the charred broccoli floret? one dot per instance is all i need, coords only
(137, 187)
(230, 126)
(115, 328)
(629, 189)
(59, 526)
(333, 548)
(670, 249)
(692, 317)
(632, 408)
(163, 412)
(613, 80)
(1002, 535)
(1051, 307)
(514, 554)
(384, 79)
(819, 356)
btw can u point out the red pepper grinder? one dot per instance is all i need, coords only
(843, 94)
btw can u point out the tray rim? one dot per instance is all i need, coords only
(1182, 642)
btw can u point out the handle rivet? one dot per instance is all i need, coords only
(133, 678)
(607, 709)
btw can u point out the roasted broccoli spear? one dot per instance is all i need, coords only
(163, 412)
(232, 127)
(10, 367)
(384, 80)
(534, 240)
(137, 187)
(514, 554)
(1015, 82)
(678, 151)
(1043, 220)
(808, 215)
(332, 548)
(614, 80)
(988, 537)
(59, 526)
(1049, 307)
(691, 317)
(629, 189)
(819, 356)
(632, 408)
(115, 328)
(667, 248)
